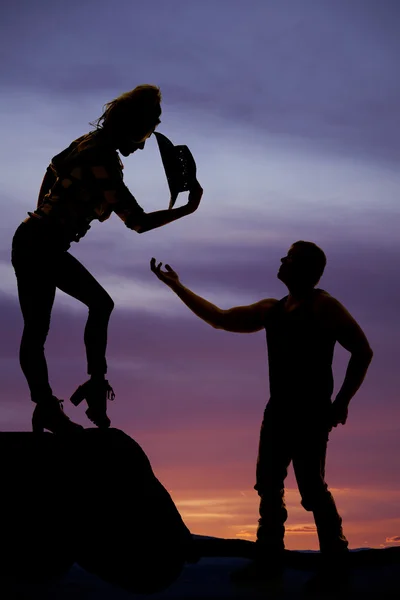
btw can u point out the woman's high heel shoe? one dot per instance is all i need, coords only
(49, 415)
(96, 393)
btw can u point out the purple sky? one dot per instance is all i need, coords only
(292, 113)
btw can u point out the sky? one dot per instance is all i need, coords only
(292, 112)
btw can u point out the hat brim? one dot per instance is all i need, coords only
(179, 165)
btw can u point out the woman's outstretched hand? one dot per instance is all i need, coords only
(169, 277)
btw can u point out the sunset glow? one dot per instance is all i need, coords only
(295, 132)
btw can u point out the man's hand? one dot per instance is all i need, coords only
(339, 413)
(195, 195)
(169, 277)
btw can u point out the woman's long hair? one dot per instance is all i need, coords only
(144, 99)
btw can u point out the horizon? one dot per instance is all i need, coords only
(295, 134)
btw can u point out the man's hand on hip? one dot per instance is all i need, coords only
(339, 413)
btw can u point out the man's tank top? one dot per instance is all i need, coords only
(300, 354)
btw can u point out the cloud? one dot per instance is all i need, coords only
(393, 539)
(301, 529)
(323, 71)
(294, 135)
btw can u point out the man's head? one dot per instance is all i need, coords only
(303, 265)
(131, 118)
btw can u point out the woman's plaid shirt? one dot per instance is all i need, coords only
(84, 182)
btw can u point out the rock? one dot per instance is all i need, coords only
(129, 530)
(35, 541)
(91, 498)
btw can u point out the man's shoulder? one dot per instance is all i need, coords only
(267, 308)
(323, 299)
(328, 308)
(268, 303)
(261, 306)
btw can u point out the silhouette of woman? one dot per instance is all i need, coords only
(83, 183)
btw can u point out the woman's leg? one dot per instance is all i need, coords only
(76, 281)
(34, 256)
(36, 291)
(35, 262)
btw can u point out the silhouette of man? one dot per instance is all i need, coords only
(301, 331)
(83, 183)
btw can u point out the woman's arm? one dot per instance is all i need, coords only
(159, 218)
(49, 180)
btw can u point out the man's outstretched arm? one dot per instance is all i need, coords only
(349, 335)
(240, 319)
